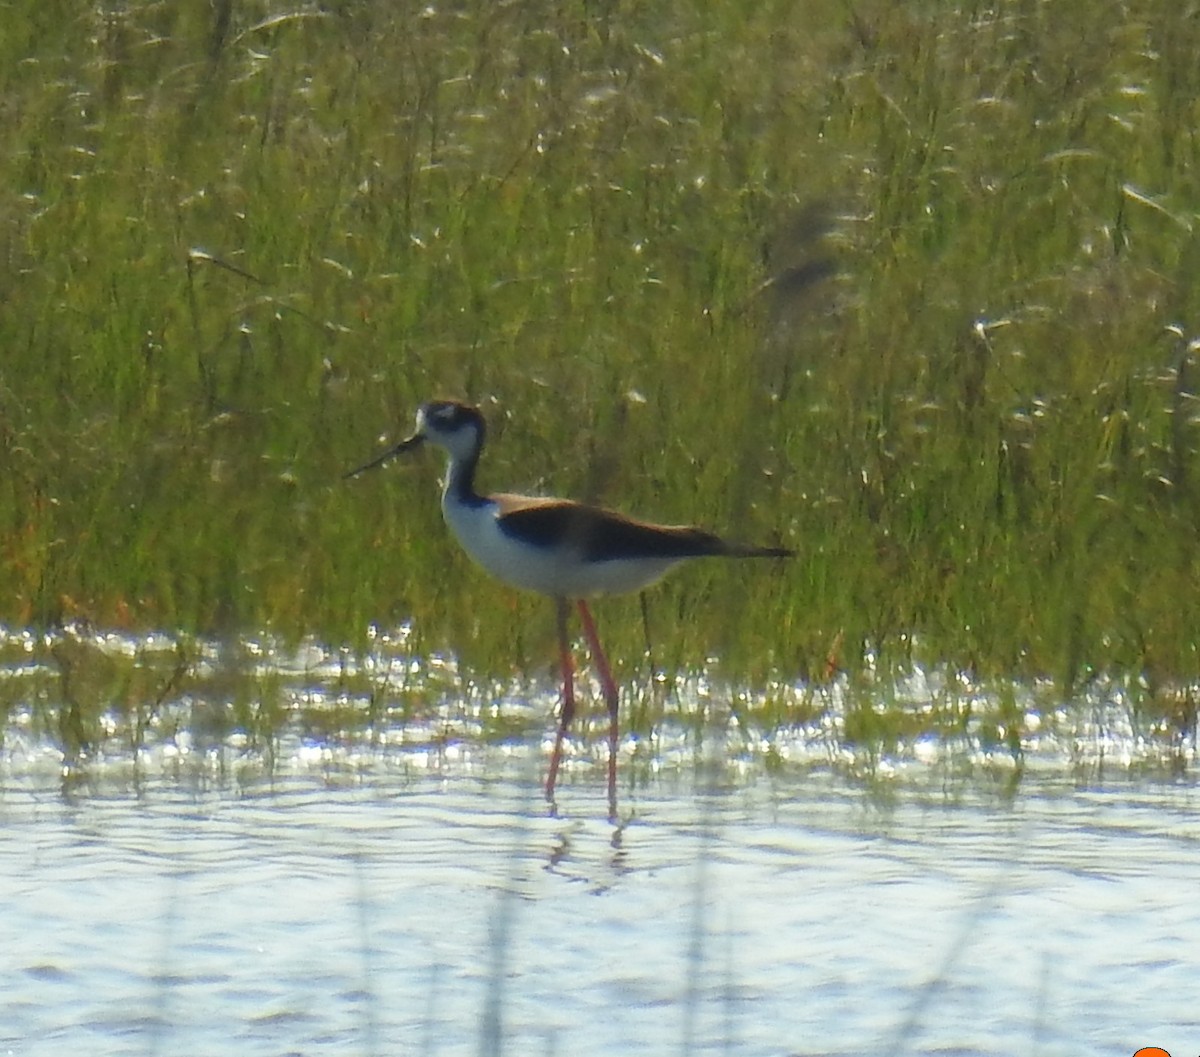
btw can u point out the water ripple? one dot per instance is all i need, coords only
(787, 916)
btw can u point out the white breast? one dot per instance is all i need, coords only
(554, 570)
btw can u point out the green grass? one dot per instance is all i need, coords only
(239, 243)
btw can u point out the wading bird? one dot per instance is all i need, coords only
(567, 550)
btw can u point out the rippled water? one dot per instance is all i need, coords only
(452, 915)
(380, 875)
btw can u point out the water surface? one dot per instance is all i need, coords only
(220, 848)
(382, 913)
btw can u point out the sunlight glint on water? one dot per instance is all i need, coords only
(198, 705)
(377, 871)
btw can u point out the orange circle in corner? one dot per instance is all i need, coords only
(1151, 1051)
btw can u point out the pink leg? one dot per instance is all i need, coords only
(568, 701)
(609, 689)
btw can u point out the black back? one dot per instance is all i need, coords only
(601, 535)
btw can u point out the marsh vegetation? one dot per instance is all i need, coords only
(908, 287)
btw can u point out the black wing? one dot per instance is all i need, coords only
(602, 535)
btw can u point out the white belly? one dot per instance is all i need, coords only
(554, 571)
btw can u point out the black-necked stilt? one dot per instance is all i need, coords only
(556, 547)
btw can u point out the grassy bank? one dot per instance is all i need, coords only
(909, 287)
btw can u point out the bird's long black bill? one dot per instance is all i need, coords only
(405, 445)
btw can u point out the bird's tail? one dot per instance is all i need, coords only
(738, 550)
